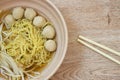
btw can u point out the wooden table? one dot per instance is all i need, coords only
(98, 20)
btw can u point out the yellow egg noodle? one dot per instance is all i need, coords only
(25, 45)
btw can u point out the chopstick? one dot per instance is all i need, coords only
(82, 40)
(99, 45)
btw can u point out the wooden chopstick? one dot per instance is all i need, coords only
(97, 50)
(99, 45)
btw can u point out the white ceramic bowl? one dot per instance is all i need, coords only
(47, 9)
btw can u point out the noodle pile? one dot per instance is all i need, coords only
(26, 45)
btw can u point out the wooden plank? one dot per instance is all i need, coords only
(98, 20)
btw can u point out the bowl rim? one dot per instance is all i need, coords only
(66, 40)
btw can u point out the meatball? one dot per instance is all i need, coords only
(18, 12)
(39, 21)
(9, 20)
(48, 32)
(50, 45)
(29, 13)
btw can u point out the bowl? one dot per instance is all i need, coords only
(49, 10)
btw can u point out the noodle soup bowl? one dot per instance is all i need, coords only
(48, 10)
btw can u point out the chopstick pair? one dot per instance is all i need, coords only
(84, 41)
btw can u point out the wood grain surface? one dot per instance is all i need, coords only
(98, 20)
